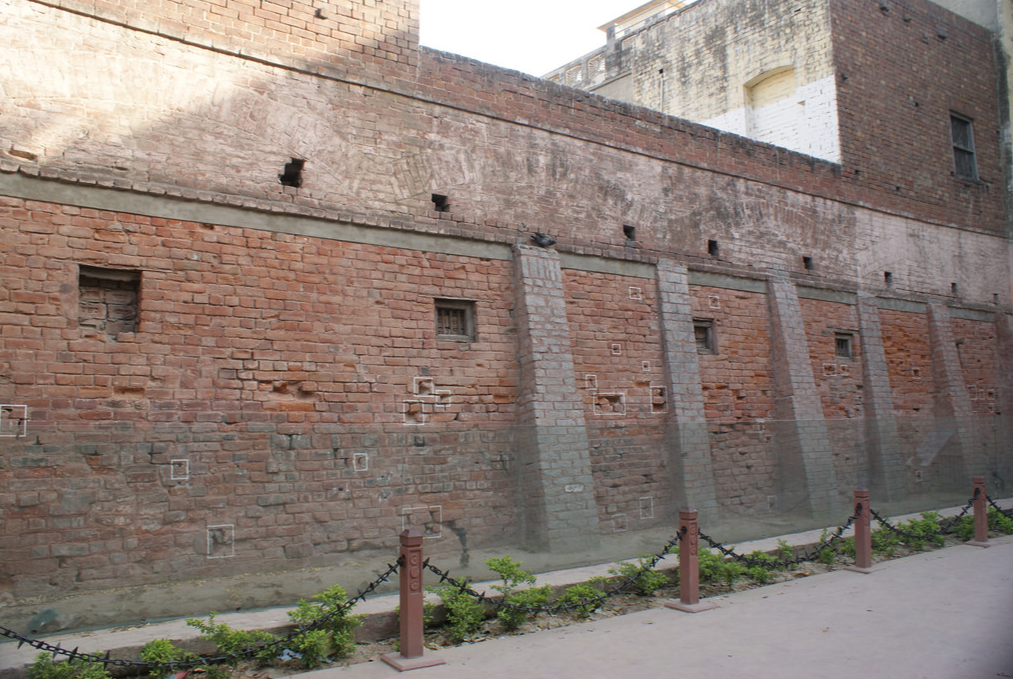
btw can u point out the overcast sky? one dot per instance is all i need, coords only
(534, 36)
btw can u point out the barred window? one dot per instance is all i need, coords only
(842, 345)
(703, 333)
(963, 147)
(455, 320)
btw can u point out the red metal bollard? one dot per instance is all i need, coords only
(412, 601)
(980, 514)
(689, 566)
(863, 533)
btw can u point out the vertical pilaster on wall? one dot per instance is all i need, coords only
(556, 485)
(687, 438)
(886, 469)
(807, 478)
(1002, 473)
(952, 405)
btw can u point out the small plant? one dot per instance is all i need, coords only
(464, 612)
(233, 641)
(1000, 522)
(584, 598)
(46, 668)
(515, 613)
(163, 652)
(785, 552)
(335, 637)
(761, 572)
(827, 555)
(714, 567)
(643, 579)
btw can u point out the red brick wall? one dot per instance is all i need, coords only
(976, 345)
(839, 381)
(617, 358)
(268, 362)
(909, 362)
(738, 395)
(898, 80)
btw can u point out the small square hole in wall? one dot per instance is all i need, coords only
(455, 320)
(292, 174)
(636, 294)
(617, 349)
(807, 262)
(703, 334)
(714, 302)
(107, 301)
(441, 203)
(713, 249)
(659, 399)
(609, 404)
(842, 344)
(630, 232)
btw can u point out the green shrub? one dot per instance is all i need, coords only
(464, 612)
(585, 598)
(163, 652)
(645, 581)
(47, 668)
(233, 641)
(714, 567)
(334, 638)
(512, 574)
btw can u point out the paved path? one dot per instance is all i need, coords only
(946, 614)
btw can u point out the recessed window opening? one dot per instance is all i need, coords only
(807, 262)
(953, 288)
(842, 345)
(712, 248)
(630, 232)
(888, 277)
(995, 298)
(441, 203)
(703, 333)
(107, 301)
(455, 320)
(964, 163)
(292, 176)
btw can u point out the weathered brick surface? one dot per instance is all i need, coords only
(738, 392)
(908, 65)
(295, 379)
(909, 362)
(619, 373)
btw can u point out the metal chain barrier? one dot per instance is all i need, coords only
(248, 653)
(1008, 513)
(807, 555)
(944, 528)
(559, 606)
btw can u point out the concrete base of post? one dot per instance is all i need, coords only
(402, 664)
(859, 569)
(698, 607)
(973, 543)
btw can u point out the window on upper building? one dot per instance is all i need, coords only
(964, 164)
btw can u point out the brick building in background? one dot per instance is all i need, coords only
(271, 295)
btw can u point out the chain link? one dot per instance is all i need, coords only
(560, 606)
(807, 555)
(1008, 513)
(175, 666)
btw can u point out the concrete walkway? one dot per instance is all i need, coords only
(946, 614)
